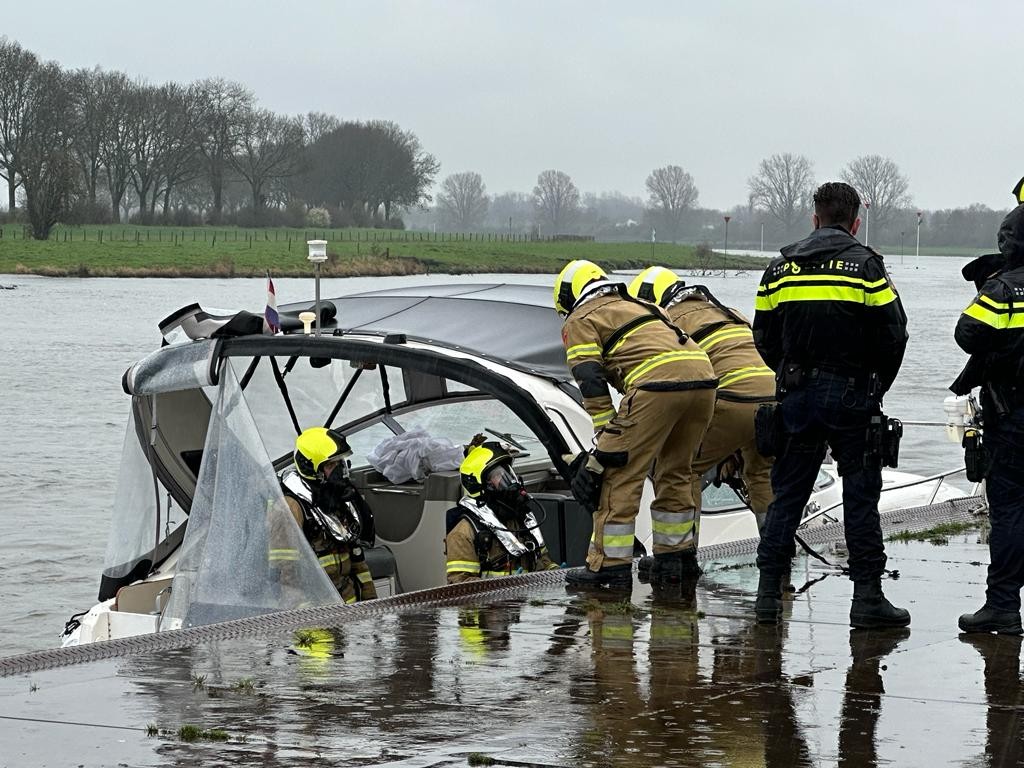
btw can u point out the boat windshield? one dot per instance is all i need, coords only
(371, 404)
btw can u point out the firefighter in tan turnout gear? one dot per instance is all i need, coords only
(668, 395)
(744, 381)
(493, 530)
(334, 518)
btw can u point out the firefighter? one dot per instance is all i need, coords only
(829, 322)
(334, 517)
(744, 381)
(493, 530)
(668, 395)
(991, 330)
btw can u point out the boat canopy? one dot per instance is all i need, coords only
(512, 324)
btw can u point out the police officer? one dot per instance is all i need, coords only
(744, 381)
(991, 330)
(668, 395)
(334, 517)
(493, 530)
(830, 323)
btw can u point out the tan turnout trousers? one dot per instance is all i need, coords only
(666, 426)
(731, 430)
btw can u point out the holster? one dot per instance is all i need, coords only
(976, 456)
(768, 429)
(883, 437)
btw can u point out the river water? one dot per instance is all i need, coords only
(64, 344)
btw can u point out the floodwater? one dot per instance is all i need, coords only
(550, 678)
(64, 344)
(667, 677)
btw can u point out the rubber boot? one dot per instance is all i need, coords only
(643, 568)
(671, 568)
(871, 610)
(613, 576)
(990, 620)
(768, 606)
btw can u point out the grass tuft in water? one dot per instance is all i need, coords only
(198, 682)
(479, 758)
(245, 685)
(939, 535)
(191, 733)
(152, 729)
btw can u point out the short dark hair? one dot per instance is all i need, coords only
(836, 202)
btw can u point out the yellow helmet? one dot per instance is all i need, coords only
(652, 284)
(317, 446)
(480, 461)
(571, 281)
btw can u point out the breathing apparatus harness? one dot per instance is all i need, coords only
(488, 527)
(345, 524)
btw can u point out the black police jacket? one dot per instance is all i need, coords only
(991, 328)
(827, 302)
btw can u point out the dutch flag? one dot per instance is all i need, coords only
(271, 321)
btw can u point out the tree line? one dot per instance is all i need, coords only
(94, 146)
(777, 209)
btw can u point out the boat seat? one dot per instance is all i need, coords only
(142, 596)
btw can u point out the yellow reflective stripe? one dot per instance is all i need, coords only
(554, 567)
(602, 418)
(364, 576)
(822, 277)
(744, 373)
(880, 298)
(731, 332)
(665, 357)
(629, 333)
(284, 554)
(987, 316)
(583, 350)
(764, 303)
(463, 566)
(350, 600)
(611, 541)
(494, 574)
(617, 631)
(671, 528)
(333, 559)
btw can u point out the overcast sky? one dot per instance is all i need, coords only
(605, 91)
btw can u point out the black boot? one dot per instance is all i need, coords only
(768, 606)
(614, 576)
(871, 610)
(670, 568)
(643, 568)
(991, 620)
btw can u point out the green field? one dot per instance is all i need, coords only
(129, 251)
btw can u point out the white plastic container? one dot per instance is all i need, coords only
(961, 412)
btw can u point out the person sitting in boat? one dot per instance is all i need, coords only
(334, 517)
(492, 531)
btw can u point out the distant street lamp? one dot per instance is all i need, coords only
(652, 245)
(917, 250)
(725, 254)
(867, 222)
(762, 237)
(317, 255)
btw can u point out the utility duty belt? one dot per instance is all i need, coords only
(792, 376)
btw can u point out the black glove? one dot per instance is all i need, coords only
(585, 480)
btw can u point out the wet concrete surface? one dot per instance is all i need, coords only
(558, 678)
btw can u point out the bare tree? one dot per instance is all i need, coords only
(16, 68)
(405, 169)
(115, 145)
(878, 181)
(462, 201)
(556, 200)
(177, 154)
(270, 149)
(784, 186)
(45, 163)
(672, 194)
(316, 124)
(223, 104)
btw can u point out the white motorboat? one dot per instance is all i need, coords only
(214, 415)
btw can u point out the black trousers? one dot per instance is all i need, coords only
(1005, 490)
(833, 410)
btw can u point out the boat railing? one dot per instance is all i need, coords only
(939, 478)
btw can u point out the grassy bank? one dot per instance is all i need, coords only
(128, 251)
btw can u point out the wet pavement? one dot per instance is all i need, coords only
(556, 678)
